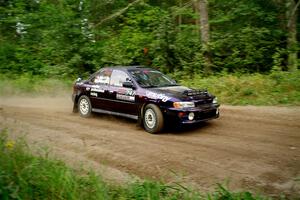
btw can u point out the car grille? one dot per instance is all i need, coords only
(202, 102)
(205, 114)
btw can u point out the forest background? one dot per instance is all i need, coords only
(243, 51)
(246, 52)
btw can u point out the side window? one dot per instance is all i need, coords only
(103, 77)
(118, 78)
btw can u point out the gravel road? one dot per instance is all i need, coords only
(251, 148)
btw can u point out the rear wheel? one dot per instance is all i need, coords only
(84, 106)
(153, 119)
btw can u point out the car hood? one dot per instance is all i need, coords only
(182, 93)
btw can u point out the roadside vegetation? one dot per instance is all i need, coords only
(28, 85)
(276, 88)
(65, 37)
(45, 45)
(27, 176)
(245, 52)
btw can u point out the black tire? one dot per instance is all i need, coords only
(84, 106)
(153, 119)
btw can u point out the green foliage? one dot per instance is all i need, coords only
(249, 50)
(277, 88)
(251, 89)
(62, 38)
(224, 193)
(27, 176)
(245, 35)
(24, 176)
(188, 51)
(28, 84)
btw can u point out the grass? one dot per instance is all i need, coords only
(27, 176)
(33, 85)
(277, 88)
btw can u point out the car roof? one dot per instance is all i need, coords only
(126, 68)
(123, 68)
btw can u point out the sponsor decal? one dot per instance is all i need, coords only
(121, 91)
(126, 92)
(130, 92)
(94, 94)
(153, 95)
(125, 97)
(165, 99)
(97, 90)
(102, 79)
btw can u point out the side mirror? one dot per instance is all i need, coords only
(128, 84)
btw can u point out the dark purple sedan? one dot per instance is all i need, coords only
(143, 94)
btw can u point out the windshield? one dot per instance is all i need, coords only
(151, 78)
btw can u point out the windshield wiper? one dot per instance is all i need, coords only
(168, 85)
(149, 86)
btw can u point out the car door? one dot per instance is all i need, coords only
(123, 100)
(99, 87)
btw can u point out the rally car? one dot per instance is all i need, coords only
(143, 94)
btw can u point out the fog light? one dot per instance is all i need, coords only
(181, 114)
(191, 116)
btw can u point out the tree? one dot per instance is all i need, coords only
(291, 15)
(185, 37)
(204, 30)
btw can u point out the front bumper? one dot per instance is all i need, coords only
(201, 113)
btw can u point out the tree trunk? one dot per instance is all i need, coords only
(204, 32)
(291, 13)
(180, 16)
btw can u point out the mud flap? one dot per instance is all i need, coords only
(75, 108)
(140, 117)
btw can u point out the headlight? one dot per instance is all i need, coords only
(215, 100)
(184, 104)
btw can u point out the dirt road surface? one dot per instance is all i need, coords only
(254, 148)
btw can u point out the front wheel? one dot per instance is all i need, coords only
(84, 106)
(153, 119)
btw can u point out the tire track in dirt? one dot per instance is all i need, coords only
(256, 148)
